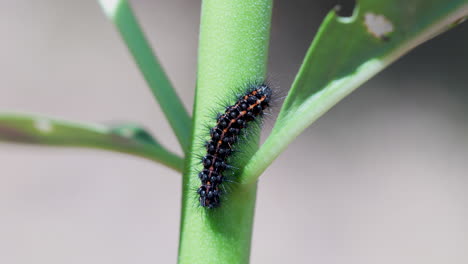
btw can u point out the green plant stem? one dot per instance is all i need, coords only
(120, 12)
(128, 139)
(233, 50)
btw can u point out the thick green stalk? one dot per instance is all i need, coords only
(233, 51)
(121, 14)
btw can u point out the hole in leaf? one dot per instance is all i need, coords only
(345, 8)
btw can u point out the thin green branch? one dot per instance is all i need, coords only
(129, 139)
(121, 14)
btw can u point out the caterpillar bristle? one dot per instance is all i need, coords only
(230, 127)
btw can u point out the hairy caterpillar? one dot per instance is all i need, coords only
(223, 136)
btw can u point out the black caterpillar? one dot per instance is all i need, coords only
(223, 136)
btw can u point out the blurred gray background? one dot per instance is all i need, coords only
(381, 178)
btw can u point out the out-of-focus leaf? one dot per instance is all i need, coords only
(130, 139)
(345, 53)
(121, 14)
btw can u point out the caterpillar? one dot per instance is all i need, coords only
(228, 128)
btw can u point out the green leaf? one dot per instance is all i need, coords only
(128, 138)
(345, 53)
(121, 14)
